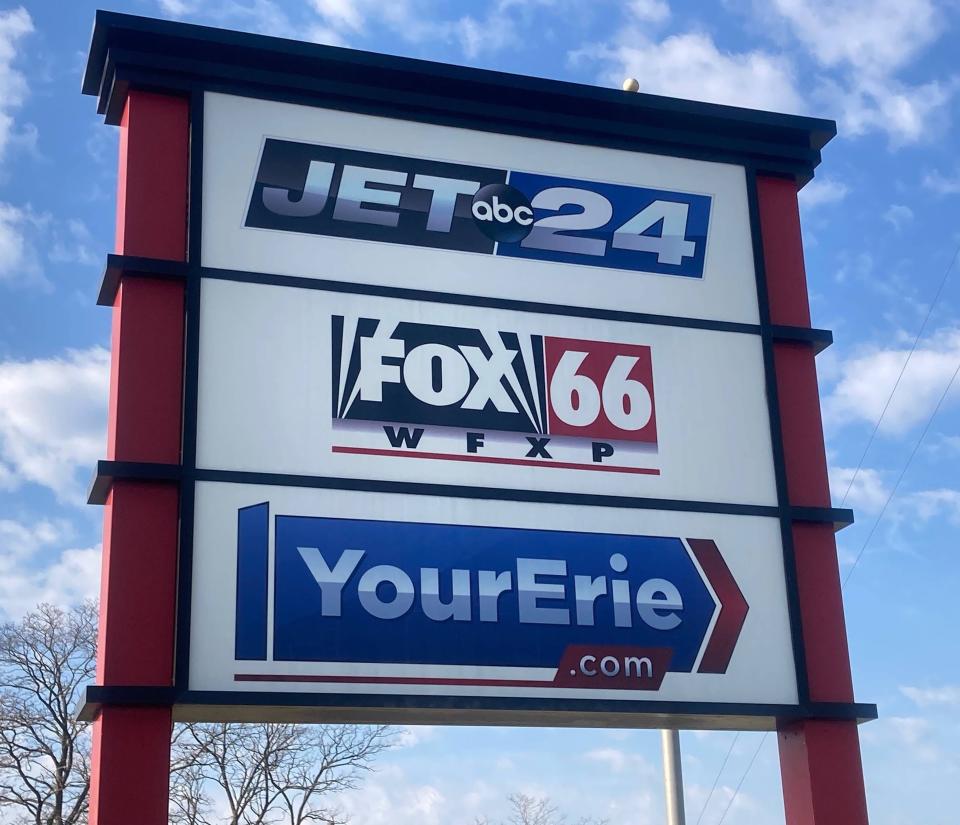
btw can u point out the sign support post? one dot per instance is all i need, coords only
(672, 776)
(820, 760)
(131, 744)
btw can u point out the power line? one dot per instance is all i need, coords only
(903, 369)
(703, 810)
(736, 790)
(853, 478)
(903, 472)
(863, 548)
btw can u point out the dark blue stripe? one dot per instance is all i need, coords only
(252, 548)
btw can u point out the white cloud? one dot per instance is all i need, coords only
(15, 24)
(942, 184)
(948, 695)
(906, 113)
(928, 504)
(898, 215)
(649, 11)
(692, 66)
(409, 736)
(822, 190)
(619, 760)
(867, 492)
(874, 35)
(389, 797)
(346, 14)
(53, 418)
(33, 571)
(866, 380)
(73, 243)
(915, 734)
(19, 259)
(865, 43)
(176, 8)
(478, 36)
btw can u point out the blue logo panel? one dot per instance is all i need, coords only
(371, 196)
(610, 225)
(350, 590)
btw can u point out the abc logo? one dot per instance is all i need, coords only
(502, 213)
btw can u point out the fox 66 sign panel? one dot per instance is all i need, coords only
(310, 382)
(309, 192)
(345, 593)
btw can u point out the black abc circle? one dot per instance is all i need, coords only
(495, 213)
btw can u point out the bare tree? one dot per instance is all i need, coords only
(45, 660)
(264, 774)
(269, 773)
(537, 810)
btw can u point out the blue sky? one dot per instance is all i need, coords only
(881, 230)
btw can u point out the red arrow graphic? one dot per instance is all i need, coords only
(733, 607)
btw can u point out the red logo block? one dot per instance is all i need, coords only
(600, 390)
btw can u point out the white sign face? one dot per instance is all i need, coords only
(335, 592)
(317, 193)
(310, 382)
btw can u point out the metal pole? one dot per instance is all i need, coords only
(672, 777)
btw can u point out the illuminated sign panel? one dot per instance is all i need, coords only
(314, 382)
(441, 321)
(329, 195)
(331, 592)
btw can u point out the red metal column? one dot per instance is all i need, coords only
(819, 760)
(131, 746)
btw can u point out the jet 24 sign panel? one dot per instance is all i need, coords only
(348, 595)
(311, 382)
(309, 192)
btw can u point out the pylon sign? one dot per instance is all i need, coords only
(482, 415)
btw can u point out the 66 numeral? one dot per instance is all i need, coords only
(577, 401)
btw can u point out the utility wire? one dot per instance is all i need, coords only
(903, 369)
(863, 548)
(903, 472)
(726, 758)
(742, 778)
(853, 478)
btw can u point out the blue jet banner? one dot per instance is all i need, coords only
(595, 610)
(345, 193)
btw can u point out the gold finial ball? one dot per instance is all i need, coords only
(631, 84)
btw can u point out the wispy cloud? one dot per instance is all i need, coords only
(868, 377)
(691, 65)
(53, 419)
(941, 696)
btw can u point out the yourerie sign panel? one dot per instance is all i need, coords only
(310, 382)
(317, 193)
(333, 592)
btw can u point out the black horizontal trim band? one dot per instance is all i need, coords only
(98, 696)
(126, 77)
(165, 51)
(136, 265)
(840, 516)
(824, 515)
(108, 471)
(420, 104)
(820, 338)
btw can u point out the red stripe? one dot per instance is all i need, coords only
(733, 607)
(523, 462)
(391, 680)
